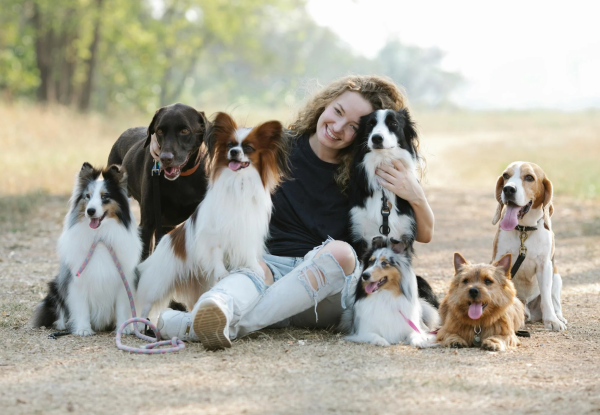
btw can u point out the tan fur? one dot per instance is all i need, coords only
(178, 242)
(503, 315)
(393, 278)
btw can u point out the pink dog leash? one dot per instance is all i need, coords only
(176, 343)
(413, 326)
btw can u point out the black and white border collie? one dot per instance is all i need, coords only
(95, 300)
(382, 137)
(388, 308)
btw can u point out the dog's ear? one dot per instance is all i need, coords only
(398, 247)
(152, 128)
(459, 262)
(548, 209)
(410, 131)
(119, 174)
(85, 168)
(499, 187)
(378, 242)
(504, 264)
(203, 124)
(222, 128)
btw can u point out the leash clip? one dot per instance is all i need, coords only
(384, 229)
(156, 168)
(523, 249)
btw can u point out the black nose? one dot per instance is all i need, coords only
(91, 211)
(234, 152)
(166, 158)
(366, 276)
(509, 190)
(377, 139)
(473, 292)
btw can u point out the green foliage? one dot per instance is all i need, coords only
(217, 52)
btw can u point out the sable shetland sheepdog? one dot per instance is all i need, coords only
(98, 211)
(229, 227)
(387, 308)
(382, 137)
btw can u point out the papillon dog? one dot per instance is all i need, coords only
(382, 137)
(387, 307)
(229, 227)
(95, 299)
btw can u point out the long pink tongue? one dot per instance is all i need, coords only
(475, 310)
(235, 165)
(510, 221)
(94, 223)
(370, 287)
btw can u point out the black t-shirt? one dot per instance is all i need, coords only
(308, 207)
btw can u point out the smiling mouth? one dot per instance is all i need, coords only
(523, 211)
(331, 135)
(235, 165)
(371, 287)
(95, 222)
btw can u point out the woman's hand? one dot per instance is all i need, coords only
(400, 181)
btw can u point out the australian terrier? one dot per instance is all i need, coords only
(481, 308)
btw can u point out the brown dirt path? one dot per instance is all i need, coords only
(298, 371)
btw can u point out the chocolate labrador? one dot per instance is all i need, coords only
(182, 180)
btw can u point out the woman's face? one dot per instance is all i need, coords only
(337, 125)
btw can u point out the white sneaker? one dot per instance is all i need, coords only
(211, 325)
(172, 323)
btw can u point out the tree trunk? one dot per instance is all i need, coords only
(86, 92)
(43, 49)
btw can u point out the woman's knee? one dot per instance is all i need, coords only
(343, 254)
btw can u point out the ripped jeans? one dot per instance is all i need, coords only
(292, 300)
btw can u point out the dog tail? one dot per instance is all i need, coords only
(46, 312)
(426, 292)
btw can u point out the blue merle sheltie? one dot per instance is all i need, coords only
(390, 306)
(96, 299)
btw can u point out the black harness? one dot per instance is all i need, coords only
(523, 249)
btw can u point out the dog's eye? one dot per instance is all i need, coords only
(529, 178)
(87, 196)
(466, 281)
(385, 264)
(505, 176)
(229, 145)
(105, 199)
(488, 281)
(248, 149)
(394, 125)
(185, 131)
(159, 132)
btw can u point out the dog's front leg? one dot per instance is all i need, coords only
(79, 310)
(544, 279)
(372, 338)
(556, 290)
(123, 311)
(147, 225)
(452, 340)
(500, 343)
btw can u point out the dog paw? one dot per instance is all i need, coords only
(381, 342)
(84, 332)
(458, 345)
(561, 318)
(493, 345)
(555, 325)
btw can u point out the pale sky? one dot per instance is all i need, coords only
(513, 54)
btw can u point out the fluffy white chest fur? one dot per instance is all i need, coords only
(367, 219)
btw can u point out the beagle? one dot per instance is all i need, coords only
(524, 195)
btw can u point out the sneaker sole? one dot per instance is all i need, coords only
(209, 325)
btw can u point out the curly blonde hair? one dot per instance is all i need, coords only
(380, 91)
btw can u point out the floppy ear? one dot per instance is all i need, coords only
(222, 127)
(410, 131)
(547, 208)
(151, 128)
(504, 264)
(499, 186)
(378, 242)
(459, 262)
(398, 247)
(203, 124)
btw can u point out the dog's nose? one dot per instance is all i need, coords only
(234, 152)
(91, 211)
(509, 190)
(366, 276)
(377, 139)
(473, 292)
(166, 158)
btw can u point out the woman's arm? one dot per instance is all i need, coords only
(402, 183)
